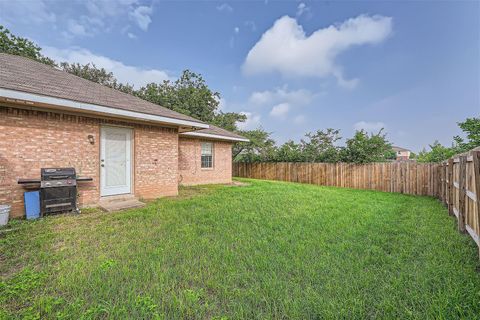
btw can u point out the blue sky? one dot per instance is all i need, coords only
(292, 67)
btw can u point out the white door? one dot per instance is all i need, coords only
(115, 161)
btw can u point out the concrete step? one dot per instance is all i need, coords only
(120, 197)
(118, 204)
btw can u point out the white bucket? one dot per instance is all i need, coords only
(4, 213)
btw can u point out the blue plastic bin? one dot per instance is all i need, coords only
(32, 204)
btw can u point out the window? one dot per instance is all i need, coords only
(207, 155)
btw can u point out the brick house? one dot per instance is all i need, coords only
(402, 154)
(49, 118)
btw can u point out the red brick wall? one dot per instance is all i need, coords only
(156, 162)
(189, 165)
(30, 140)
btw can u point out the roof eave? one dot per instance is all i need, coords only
(22, 97)
(213, 136)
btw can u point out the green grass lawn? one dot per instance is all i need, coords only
(269, 250)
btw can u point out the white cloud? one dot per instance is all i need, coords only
(141, 16)
(32, 11)
(109, 8)
(83, 18)
(285, 48)
(225, 7)
(369, 126)
(280, 110)
(131, 35)
(77, 29)
(302, 8)
(236, 30)
(270, 97)
(124, 73)
(252, 122)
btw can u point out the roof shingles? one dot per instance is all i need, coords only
(23, 74)
(26, 75)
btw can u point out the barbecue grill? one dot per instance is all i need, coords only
(58, 189)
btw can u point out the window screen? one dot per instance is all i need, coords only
(207, 155)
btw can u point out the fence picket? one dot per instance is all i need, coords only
(410, 178)
(450, 186)
(461, 193)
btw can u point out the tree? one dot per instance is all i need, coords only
(317, 146)
(228, 120)
(12, 44)
(390, 155)
(289, 152)
(471, 127)
(260, 147)
(189, 94)
(98, 75)
(320, 146)
(437, 153)
(365, 148)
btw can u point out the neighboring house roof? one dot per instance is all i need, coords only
(399, 149)
(216, 133)
(33, 78)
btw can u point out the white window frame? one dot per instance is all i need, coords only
(212, 155)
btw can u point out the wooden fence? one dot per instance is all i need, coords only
(403, 177)
(455, 182)
(460, 191)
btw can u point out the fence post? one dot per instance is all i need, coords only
(450, 186)
(441, 181)
(444, 183)
(461, 193)
(476, 181)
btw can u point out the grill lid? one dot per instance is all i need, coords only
(57, 173)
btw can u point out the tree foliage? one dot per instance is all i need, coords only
(91, 72)
(390, 155)
(439, 153)
(471, 128)
(260, 148)
(228, 120)
(12, 44)
(289, 152)
(189, 94)
(320, 146)
(364, 148)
